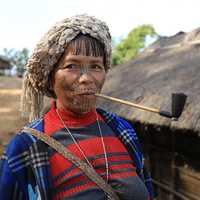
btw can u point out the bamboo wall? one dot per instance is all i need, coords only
(173, 158)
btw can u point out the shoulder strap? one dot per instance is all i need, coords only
(89, 171)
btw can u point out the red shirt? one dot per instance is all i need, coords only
(68, 180)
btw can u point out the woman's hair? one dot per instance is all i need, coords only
(87, 46)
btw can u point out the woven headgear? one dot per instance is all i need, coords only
(47, 53)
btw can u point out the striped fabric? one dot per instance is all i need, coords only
(25, 169)
(70, 182)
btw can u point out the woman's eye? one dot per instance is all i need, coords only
(97, 67)
(71, 66)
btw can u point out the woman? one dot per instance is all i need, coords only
(70, 64)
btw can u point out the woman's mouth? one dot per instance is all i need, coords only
(86, 92)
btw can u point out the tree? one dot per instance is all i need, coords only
(129, 47)
(17, 58)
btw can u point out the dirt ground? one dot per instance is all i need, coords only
(10, 116)
(10, 119)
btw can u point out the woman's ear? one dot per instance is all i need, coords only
(51, 88)
(52, 81)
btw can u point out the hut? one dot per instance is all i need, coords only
(4, 64)
(171, 148)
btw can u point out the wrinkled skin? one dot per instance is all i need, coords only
(76, 80)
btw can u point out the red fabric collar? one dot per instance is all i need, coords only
(53, 123)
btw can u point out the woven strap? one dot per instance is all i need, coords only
(89, 171)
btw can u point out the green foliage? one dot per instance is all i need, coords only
(18, 58)
(129, 47)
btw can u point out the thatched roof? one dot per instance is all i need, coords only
(172, 64)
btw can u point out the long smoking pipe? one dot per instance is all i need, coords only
(178, 102)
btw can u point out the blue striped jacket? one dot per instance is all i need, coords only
(24, 167)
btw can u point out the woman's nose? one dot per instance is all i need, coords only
(85, 75)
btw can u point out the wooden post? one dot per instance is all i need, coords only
(173, 164)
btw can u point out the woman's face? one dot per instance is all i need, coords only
(76, 80)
